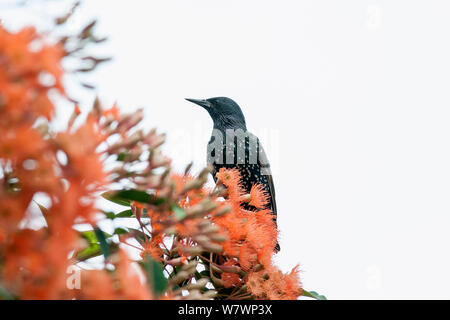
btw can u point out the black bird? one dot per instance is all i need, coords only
(232, 146)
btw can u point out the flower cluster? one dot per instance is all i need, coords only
(249, 248)
(194, 242)
(66, 167)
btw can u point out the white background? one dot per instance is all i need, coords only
(350, 99)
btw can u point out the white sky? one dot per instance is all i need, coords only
(350, 99)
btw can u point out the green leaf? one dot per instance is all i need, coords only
(178, 211)
(205, 273)
(121, 156)
(120, 231)
(90, 252)
(102, 240)
(109, 214)
(134, 195)
(154, 271)
(125, 214)
(94, 249)
(5, 295)
(111, 197)
(314, 295)
(91, 236)
(123, 197)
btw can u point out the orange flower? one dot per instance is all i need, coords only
(193, 196)
(230, 279)
(15, 47)
(262, 235)
(255, 284)
(24, 253)
(258, 196)
(83, 160)
(274, 285)
(20, 143)
(132, 286)
(138, 205)
(248, 257)
(21, 68)
(49, 58)
(233, 223)
(2, 236)
(95, 285)
(153, 248)
(231, 178)
(231, 248)
(112, 112)
(12, 211)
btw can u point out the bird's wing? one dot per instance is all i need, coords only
(264, 165)
(273, 202)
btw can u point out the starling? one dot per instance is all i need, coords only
(232, 146)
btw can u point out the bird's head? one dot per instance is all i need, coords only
(224, 111)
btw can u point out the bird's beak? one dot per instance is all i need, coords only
(202, 103)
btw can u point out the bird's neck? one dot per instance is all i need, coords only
(223, 124)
